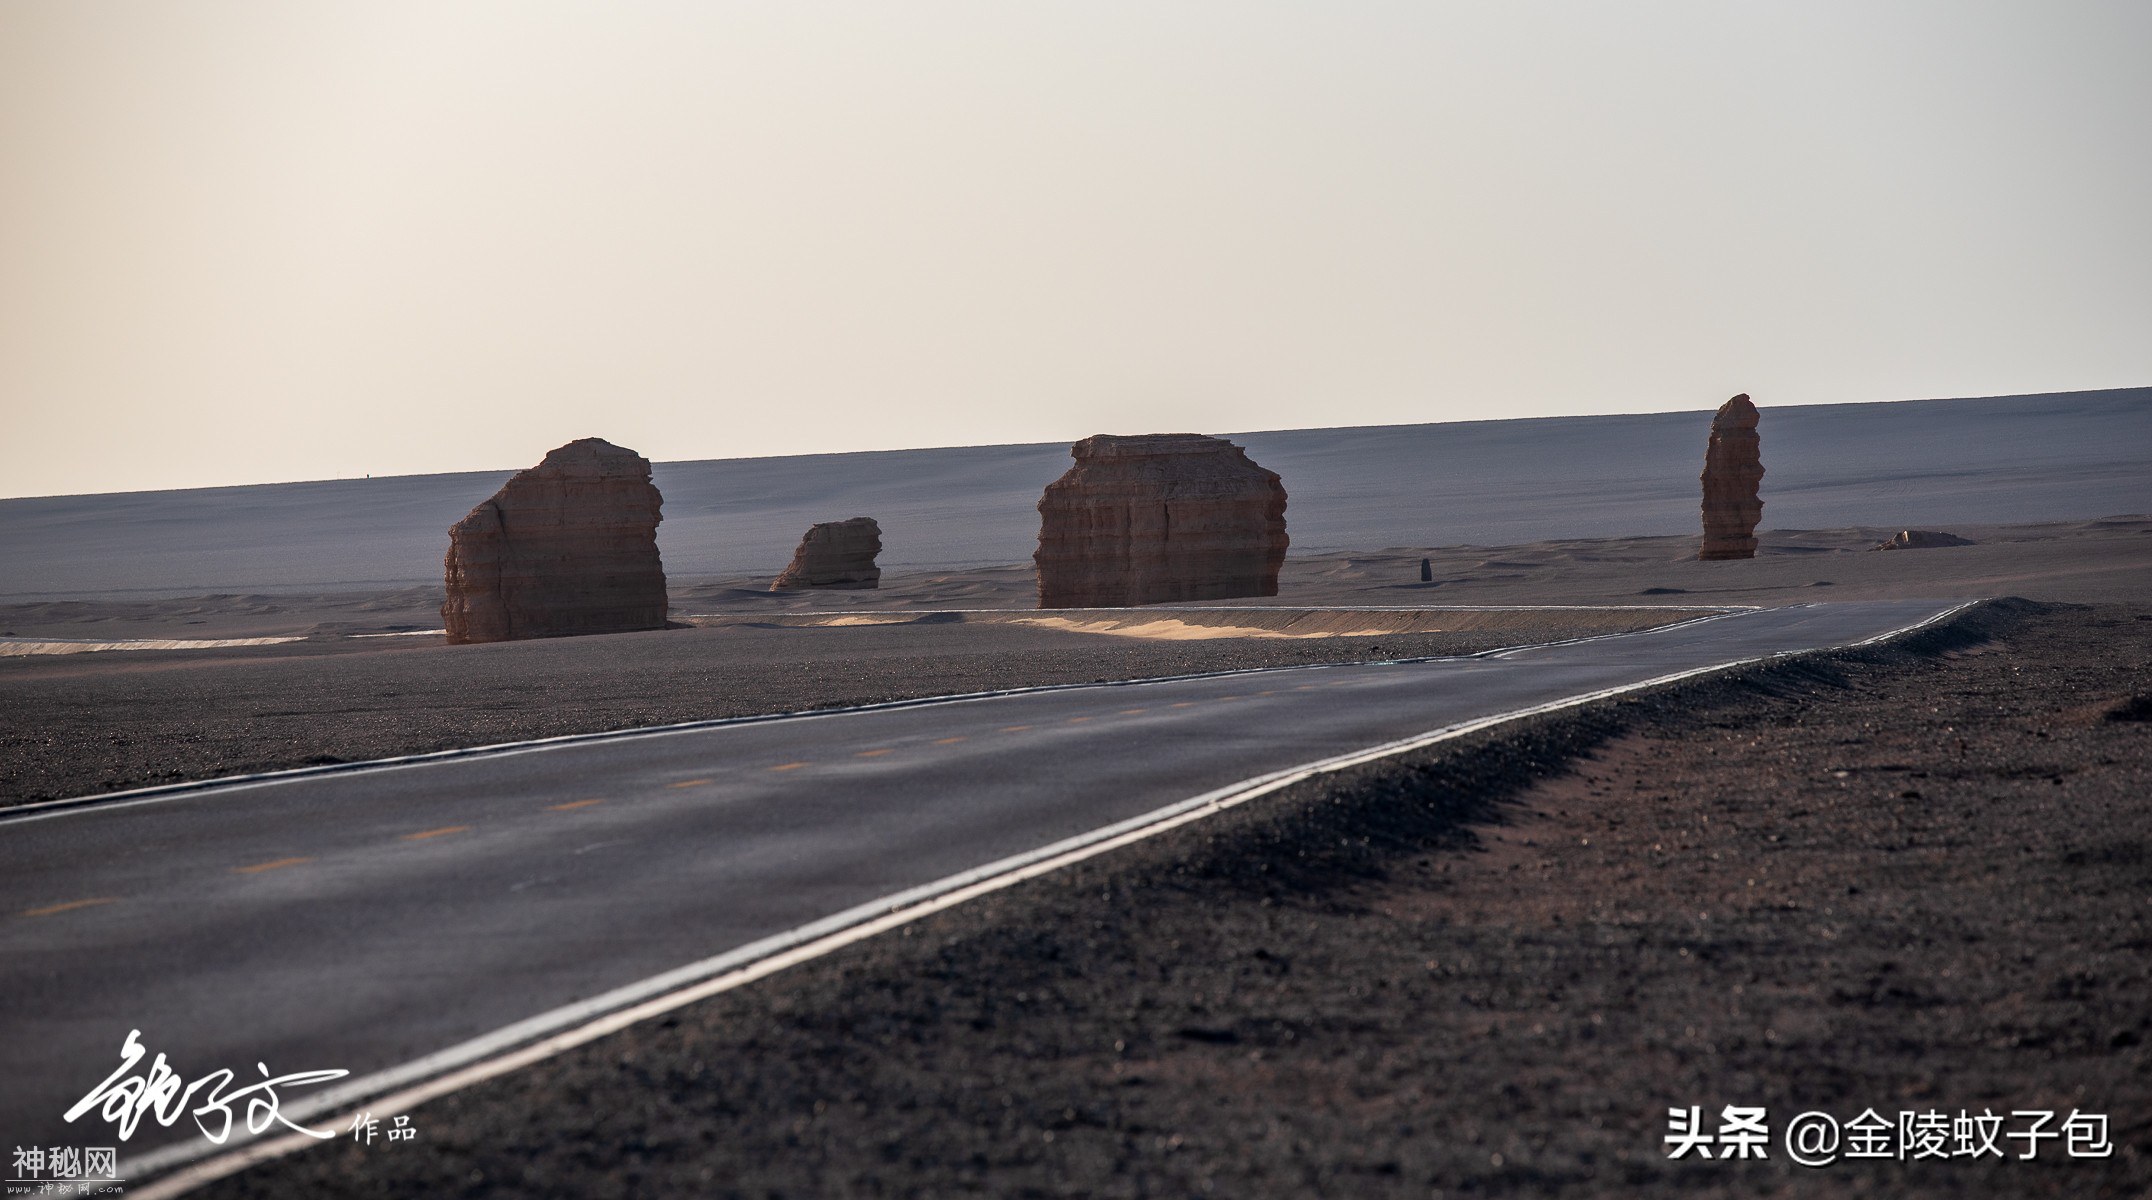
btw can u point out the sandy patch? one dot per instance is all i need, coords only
(871, 619)
(17, 647)
(1266, 622)
(1172, 630)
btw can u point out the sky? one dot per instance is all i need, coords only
(264, 240)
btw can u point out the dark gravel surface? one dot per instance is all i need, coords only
(81, 724)
(1914, 878)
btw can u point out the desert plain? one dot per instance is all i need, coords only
(1918, 874)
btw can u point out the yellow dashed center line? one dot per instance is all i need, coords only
(1130, 712)
(70, 906)
(688, 783)
(573, 804)
(1184, 704)
(444, 831)
(1014, 728)
(1078, 720)
(1266, 693)
(875, 753)
(947, 741)
(794, 766)
(275, 864)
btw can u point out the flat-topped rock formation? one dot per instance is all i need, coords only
(1733, 470)
(835, 554)
(1159, 517)
(566, 547)
(1921, 539)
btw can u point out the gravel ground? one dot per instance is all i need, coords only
(1918, 877)
(81, 724)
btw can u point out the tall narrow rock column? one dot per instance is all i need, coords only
(1159, 517)
(566, 547)
(1733, 471)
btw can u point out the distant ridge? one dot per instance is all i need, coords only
(2057, 456)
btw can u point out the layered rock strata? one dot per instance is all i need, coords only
(566, 547)
(1159, 517)
(835, 554)
(1733, 471)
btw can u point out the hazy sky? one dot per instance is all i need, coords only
(288, 239)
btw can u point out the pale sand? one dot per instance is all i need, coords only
(20, 647)
(854, 619)
(1223, 621)
(2099, 561)
(1169, 629)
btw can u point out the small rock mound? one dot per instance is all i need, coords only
(1921, 539)
(835, 554)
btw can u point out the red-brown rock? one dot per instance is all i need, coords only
(835, 554)
(1733, 471)
(567, 547)
(1159, 517)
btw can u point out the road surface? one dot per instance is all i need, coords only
(364, 919)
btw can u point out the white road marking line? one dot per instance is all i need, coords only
(1884, 637)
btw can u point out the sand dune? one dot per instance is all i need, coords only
(2060, 457)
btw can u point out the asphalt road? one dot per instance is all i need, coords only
(364, 919)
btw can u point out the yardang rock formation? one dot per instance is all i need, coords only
(566, 547)
(1159, 517)
(1733, 470)
(835, 554)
